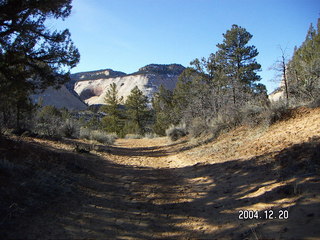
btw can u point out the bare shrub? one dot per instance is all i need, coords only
(102, 137)
(315, 103)
(70, 129)
(151, 135)
(97, 135)
(113, 135)
(198, 126)
(252, 114)
(218, 125)
(85, 133)
(277, 112)
(176, 132)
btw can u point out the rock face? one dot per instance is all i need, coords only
(93, 75)
(60, 98)
(276, 95)
(92, 86)
(279, 93)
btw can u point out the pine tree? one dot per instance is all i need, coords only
(304, 67)
(31, 56)
(239, 60)
(137, 111)
(182, 96)
(113, 122)
(162, 105)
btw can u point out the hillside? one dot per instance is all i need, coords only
(92, 86)
(152, 188)
(60, 98)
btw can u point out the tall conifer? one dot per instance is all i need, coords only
(239, 60)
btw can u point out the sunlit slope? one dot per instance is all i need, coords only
(302, 125)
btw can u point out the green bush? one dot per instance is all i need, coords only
(51, 122)
(131, 127)
(48, 122)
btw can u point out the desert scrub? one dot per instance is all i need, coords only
(102, 137)
(176, 132)
(85, 133)
(218, 125)
(278, 111)
(252, 114)
(133, 136)
(70, 129)
(198, 126)
(150, 135)
(49, 121)
(98, 135)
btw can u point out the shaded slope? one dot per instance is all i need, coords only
(60, 98)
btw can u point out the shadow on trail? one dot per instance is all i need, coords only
(134, 152)
(200, 201)
(158, 151)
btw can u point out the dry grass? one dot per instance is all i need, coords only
(133, 136)
(98, 135)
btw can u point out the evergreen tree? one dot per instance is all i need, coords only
(217, 86)
(304, 67)
(162, 105)
(213, 84)
(136, 111)
(31, 56)
(182, 94)
(113, 122)
(239, 60)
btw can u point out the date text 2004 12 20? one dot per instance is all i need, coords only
(267, 214)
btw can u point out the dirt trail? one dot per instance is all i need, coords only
(151, 188)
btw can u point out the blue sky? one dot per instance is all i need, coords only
(125, 35)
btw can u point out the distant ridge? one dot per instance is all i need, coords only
(89, 88)
(92, 86)
(97, 74)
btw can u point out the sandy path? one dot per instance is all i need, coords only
(151, 188)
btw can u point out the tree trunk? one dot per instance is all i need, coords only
(285, 79)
